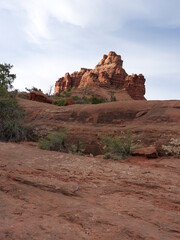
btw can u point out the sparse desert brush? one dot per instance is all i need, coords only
(77, 148)
(112, 96)
(59, 101)
(172, 148)
(97, 100)
(89, 100)
(81, 100)
(67, 93)
(54, 142)
(117, 147)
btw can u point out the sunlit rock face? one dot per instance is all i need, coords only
(108, 73)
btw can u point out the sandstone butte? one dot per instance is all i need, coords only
(108, 73)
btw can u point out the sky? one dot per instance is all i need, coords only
(44, 39)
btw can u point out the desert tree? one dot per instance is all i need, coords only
(6, 77)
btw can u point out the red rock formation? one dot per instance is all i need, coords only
(108, 73)
(39, 97)
(134, 85)
(69, 81)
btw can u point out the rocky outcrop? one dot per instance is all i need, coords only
(39, 97)
(108, 73)
(134, 85)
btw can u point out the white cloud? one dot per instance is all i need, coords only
(43, 39)
(106, 15)
(103, 15)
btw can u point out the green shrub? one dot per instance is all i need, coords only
(60, 102)
(6, 77)
(96, 100)
(58, 94)
(86, 100)
(54, 142)
(77, 148)
(33, 89)
(11, 117)
(81, 100)
(3, 92)
(76, 98)
(117, 147)
(67, 93)
(112, 97)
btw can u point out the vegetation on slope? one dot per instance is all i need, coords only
(11, 115)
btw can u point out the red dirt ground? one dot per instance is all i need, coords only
(50, 196)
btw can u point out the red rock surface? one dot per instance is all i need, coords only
(134, 85)
(108, 73)
(39, 97)
(51, 196)
(149, 152)
(151, 122)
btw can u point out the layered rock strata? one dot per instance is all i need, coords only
(108, 73)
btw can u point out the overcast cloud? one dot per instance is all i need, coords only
(44, 39)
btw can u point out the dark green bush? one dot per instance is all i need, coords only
(54, 142)
(11, 118)
(67, 93)
(117, 147)
(96, 100)
(81, 100)
(11, 115)
(58, 94)
(60, 102)
(33, 89)
(86, 100)
(6, 77)
(77, 99)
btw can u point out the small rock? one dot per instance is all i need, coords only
(149, 152)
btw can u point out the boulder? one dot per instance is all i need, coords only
(39, 97)
(149, 152)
